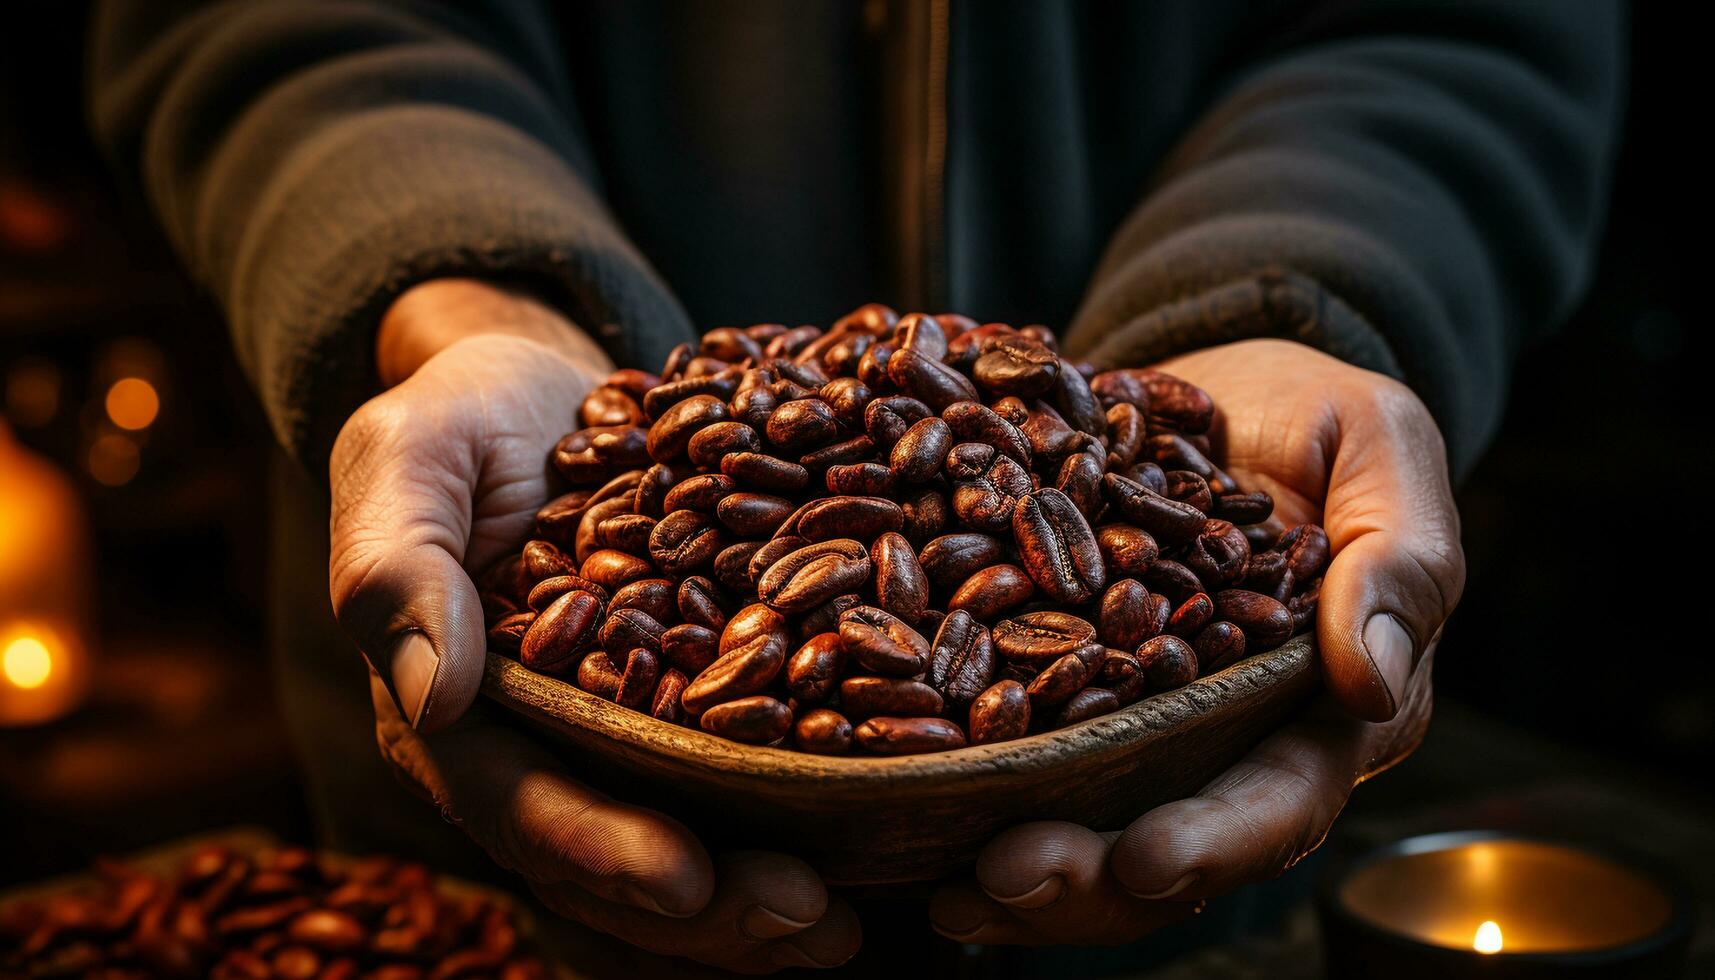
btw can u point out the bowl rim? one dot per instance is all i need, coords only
(520, 689)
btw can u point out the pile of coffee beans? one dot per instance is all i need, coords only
(899, 534)
(283, 915)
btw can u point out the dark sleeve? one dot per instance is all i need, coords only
(310, 161)
(1415, 187)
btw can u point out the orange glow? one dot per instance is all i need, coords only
(27, 662)
(132, 403)
(32, 392)
(114, 460)
(1488, 938)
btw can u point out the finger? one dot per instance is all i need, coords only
(1254, 821)
(768, 911)
(399, 524)
(514, 801)
(1398, 568)
(1053, 877)
(963, 912)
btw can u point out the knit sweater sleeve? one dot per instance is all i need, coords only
(1416, 187)
(312, 160)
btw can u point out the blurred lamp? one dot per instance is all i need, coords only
(44, 590)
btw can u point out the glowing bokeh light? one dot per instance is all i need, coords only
(132, 403)
(114, 460)
(1488, 938)
(27, 662)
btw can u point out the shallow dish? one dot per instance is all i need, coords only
(871, 820)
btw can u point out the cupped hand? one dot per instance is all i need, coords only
(1333, 443)
(432, 481)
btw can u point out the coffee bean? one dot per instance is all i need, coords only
(701, 493)
(598, 675)
(887, 418)
(918, 454)
(925, 378)
(882, 642)
(1243, 508)
(952, 558)
(773, 550)
(921, 333)
(992, 591)
(507, 633)
(757, 720)
(746, 666)
(1125, 549)
(1218, 554)
(546, 591)
(732, 566)
(860, 480)
(690, 647)
(815, 670)
(1218, 646)
(901, 588)
(1080, 479)
(628, 629)
(1168, 520)
(1058, 681)
(1000, 713)
(1057, 547)
(1266, 622)
(1121, 673)
(926, 515)
(753, 515)
(1168, 662)
(961, 659)
(1016, 365)
(1089, 703)
(1307, 551)
(1040, 637)
(799, 426)
(654, 596)
(673, 429)
(908, 736)
(973, 422)
(637, 683)
(863, 518)
(683, 541)
(866, 697)
(709, 445)
(560, 633)
(812, 575)
(1124, 617)
(1192, 615)
(665, 705)
(824, 732)
(763, 472)
(699, 602)
(1126, 430)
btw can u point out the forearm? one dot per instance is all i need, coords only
(431, 316)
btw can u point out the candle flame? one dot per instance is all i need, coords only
(1488, 938)
(27, 662)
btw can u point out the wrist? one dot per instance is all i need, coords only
(437, 313)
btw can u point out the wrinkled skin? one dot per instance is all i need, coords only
(432, 481)
(1360, 451)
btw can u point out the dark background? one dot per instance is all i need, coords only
(1582, 620)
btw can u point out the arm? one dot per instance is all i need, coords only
(1415, 188)
(1415, 192)
(312, 161)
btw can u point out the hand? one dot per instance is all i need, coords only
(435, 479)
(1328, 441)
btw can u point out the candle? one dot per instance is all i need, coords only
(1484, 904)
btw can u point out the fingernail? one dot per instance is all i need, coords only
(1050, 890)
(759, 922)
(1185, 881)
(632, 894)
(959, 933)
(411, 668)
(1389, 648)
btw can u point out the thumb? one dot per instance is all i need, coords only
(399, 526)
(1398, 568)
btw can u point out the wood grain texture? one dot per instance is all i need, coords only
(870, 820)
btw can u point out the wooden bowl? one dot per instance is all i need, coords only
(870, 820)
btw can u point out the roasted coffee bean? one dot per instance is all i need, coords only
(1121, 673)
(887, 418)
(1000, 713)
(860, 480)
(862, 518)
(1169, 521)
(549, 589)
(921, 333)
(637, 682)
(990, 502)
(1243, 508)
(908, 736)
(1189, 488)
(1091, 702)
(874, 319)
(763, 472)
(588, 538)
(1176, 403)
(608, 405)
(1057, 547)
(557, 520)
(799, 426)
(815, 670)
(812, 575)
(560, 633)
(1192, 615)
(507, 633)
(1080, 479)
(753, 515)
(701, 493)
(920, 451)
(1172, 579)
(654, 596)
(665, 704)
(1040, 637)
(901, 588)
(710, 444)
(699, 602)
(754, 400)
(1016, 365)
(952, 558)
(628, 629)
(757, 720)
(1149, 474)
(926, 515)
(1175, 452)
(1266, 572)
(672, 431)
(825, 618)
(824, 732)
(973, 422)
(1049, 435)
(542, 559)
(1059, 681)
(1123, 619)
(993, 591)
(961, 659)
(1126, 550)
(1303, 606)
(1267, 623)
(744, 668)
(671, 394)
(683, 541)
(1219, 645)
(1072, 398)
(651, 496)
(866, 697)
(969, 460)
(1013, 410)
(1168, 662)
(925, 378)
(730, 344)
(773, 550)
(1218, 554)
(857, 449)
(626, 532)
(1126, 430)
(882, 642)
(791, 341)
(732, 566)
(1307, 551)
(598, 675)
(690, 647)
(872, 366)
(1120, 388)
